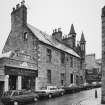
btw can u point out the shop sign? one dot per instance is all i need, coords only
(24, 64)
(20, 71)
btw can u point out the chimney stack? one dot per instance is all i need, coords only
(17, 6)
(57, 34)
(19, 15)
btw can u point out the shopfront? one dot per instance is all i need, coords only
(19, 78)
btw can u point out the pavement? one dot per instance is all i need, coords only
(91, 100)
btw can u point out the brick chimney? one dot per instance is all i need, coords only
(19, 15)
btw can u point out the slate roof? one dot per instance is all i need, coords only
(6, 55)
(44, 37)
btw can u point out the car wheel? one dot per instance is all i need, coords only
(35, 99)
(15, 103)
(49, 96)
(62, 93)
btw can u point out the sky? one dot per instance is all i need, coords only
(50, 14)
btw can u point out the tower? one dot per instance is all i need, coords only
(103, 55)
(82, 54)
(70, 39)
(82, 46)
(72, 34)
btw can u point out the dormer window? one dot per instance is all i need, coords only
(25, 36)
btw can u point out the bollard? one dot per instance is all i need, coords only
(96, 94)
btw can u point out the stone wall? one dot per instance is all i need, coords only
(103, 55)
(56, 67)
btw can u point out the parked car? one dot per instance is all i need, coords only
(94, 84)
(99, 84)
(60, 90)
(41, 94)
(74, 87)
(87, 86)
(71, 88)
(49, 91)
(16, 97)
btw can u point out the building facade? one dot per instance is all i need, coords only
(103, 55)
(93, 69)
(32, 59)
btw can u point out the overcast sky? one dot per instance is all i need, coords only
(50, 14)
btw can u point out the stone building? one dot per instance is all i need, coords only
(103, 55)
(32, 59)
(93, 68)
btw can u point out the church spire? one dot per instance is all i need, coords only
(72, 30)
(82, 38)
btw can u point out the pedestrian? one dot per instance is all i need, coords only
(96, 94)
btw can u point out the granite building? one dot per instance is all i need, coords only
(93, 68)
(103, 55)
(32, 59)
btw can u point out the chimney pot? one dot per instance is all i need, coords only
(23, 2)
(13, 9)
(59, 29)
(55, 30)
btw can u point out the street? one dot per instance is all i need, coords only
(80, 98)
(86, 97)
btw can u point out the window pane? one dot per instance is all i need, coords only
(62, 57)
(49, 76)
(49, 55)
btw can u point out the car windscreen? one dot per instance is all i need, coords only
(53, 88)
(15, 94)
(43, 88)
(8, 93)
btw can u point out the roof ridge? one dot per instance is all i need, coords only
(44, 37)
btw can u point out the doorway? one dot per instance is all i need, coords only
(71, 75)
(12, 82)
(1, 87)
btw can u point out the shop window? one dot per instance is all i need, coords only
(49, 76)
(27, 82)
(12, 82)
